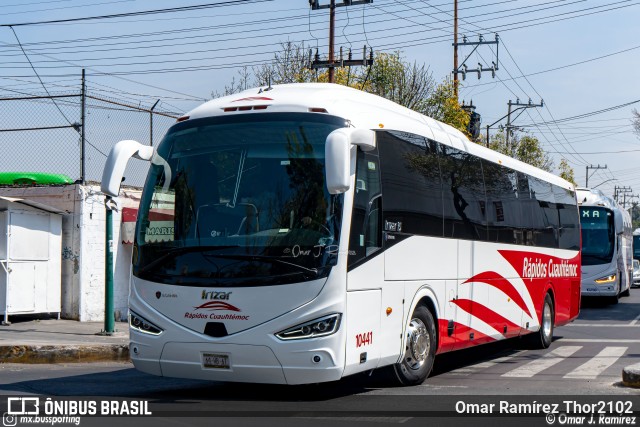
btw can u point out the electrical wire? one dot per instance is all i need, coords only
(140, 13)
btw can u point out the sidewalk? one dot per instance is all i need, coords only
(32, 340)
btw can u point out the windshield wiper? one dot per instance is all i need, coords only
(314, 271)
(173, 252)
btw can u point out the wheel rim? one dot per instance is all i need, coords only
(418, 344)
(546, 320)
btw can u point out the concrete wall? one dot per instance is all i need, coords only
(83, 246)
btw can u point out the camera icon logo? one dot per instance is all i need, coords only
(9, 420)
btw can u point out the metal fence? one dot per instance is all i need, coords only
(72, 133)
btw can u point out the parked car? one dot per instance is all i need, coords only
(636, 272)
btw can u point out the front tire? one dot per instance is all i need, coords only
(616, 298)
(544, 337)
(627, 292)
(420, 349)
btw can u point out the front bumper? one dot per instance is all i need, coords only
(591, 288)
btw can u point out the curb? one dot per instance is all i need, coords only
(35, 354)
(631, 376)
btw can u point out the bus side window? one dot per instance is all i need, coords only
(373, 233)
(366, 222)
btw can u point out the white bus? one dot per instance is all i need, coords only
(607, 246)
(306, 232)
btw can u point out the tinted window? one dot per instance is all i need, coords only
(464, 201)
(239, 200)
(569, 232)
(366, 230)
(545, 214)
(504, 212)
(598, 235)
(411, 184)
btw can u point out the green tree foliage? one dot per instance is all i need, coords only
(408, 84)
(525, 148)
(566, 171)
(443, 105)
(391, 76)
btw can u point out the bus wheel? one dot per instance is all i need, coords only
(627, 292)
(543, 338)
(420, 349)
(615, 299)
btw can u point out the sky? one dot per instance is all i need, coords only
(579, 57)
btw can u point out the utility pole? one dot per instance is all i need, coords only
(463, 68)
(331, 63)
(455, 48)
(83, 139)
(586, 181)
(520, 106)
(617, 191)
(151, 123)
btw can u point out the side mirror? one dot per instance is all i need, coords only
(117, 162)
(337, 155)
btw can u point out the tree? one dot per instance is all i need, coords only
(525, 148)
(636, 122)
(443, 105)
(408, 84)
(566, 171)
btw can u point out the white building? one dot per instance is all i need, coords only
(83, 246)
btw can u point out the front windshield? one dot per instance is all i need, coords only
(636, 247)
(598, 235)
(239, 201)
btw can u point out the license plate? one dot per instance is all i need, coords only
(215, 361)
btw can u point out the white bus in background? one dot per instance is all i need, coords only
(302, 233)
(607, 246)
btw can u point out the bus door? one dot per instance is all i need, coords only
(368, 331)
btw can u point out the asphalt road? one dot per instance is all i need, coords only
(583, 365)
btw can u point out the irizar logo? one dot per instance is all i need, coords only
(216, 295)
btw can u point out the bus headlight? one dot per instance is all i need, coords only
(607, 279)
(141, 324)
(315, 328)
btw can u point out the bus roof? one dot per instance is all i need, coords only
(593, 197)
(363, 110)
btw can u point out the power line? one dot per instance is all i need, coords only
(534, 89)
(140, 13)
(385, 47)
(66, 7)
(565, 66)
(41, 82)
(584, 115)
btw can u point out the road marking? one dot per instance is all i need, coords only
(620, 341)
(485, 365)
(634, 321)
(391, 420)
(544, 362)
(607, 325)
(596, 365)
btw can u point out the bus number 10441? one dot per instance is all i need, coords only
(364, 339)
